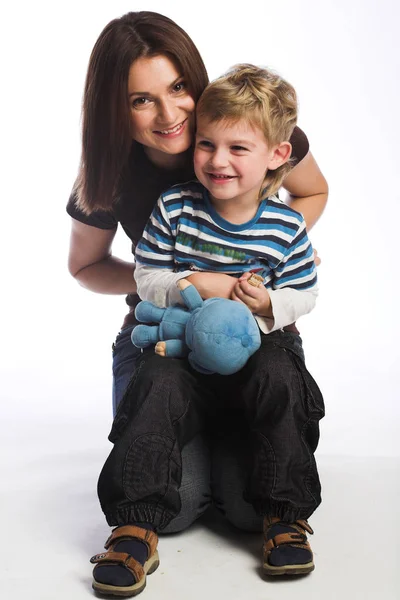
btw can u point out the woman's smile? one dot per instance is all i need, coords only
(172, 131)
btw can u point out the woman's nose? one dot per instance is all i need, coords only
(168, 112)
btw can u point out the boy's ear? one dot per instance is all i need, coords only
(279, 155)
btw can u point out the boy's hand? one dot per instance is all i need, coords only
(256, 298)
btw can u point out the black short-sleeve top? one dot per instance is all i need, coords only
(142, 185)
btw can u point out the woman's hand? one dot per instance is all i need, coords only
(317, 259)
(257, 299)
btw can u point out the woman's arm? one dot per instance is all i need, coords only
(90, 261)
(308, 190)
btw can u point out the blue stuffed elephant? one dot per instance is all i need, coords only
(217, 335)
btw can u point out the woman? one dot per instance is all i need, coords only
(144, 78)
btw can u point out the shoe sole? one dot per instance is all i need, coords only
(128, 591)
(288, 569)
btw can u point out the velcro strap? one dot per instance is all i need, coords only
(285, 538)
(122, 559)
(304, 525)
(138, 533)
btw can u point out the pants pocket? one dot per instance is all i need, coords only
(312, 396)
(147, 466)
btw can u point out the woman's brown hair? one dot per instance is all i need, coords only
(106, 122)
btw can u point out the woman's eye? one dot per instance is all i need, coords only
(139, 102)
(179, 87)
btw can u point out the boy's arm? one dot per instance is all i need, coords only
(294, 286)
(154, 273)
(159, 285)
(287, 305)
(213, 285)
(155, 268)
(274, 309)
(294, 290)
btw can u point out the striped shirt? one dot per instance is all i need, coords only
(185, 233)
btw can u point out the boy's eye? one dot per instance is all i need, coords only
(140, 102)
(204, 144)
(239, 148)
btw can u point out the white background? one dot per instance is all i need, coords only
(343, 58)
(55, 366)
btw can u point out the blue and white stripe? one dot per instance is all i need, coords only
(184, 232)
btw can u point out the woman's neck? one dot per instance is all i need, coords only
(168, 161)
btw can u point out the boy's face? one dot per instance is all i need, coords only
(231, 159)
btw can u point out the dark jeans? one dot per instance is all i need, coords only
(272, 406)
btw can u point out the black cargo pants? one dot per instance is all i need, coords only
(167, 403)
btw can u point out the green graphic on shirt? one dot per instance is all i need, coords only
(210, 248)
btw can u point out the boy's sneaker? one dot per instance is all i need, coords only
(286, 548)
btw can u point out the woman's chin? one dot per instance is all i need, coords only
(175, 146)
(163, 155)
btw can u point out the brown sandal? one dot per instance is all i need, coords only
(125, 560)
(294, 538)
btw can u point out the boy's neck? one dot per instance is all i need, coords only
(237, 211)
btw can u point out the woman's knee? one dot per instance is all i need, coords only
(195, 488)
(242, 515)
(229, 476)
(229, 500)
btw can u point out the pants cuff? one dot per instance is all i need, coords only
(139, 513)
(283, 510)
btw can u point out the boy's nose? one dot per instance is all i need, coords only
(219, 159)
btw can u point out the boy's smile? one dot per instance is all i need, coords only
(231, 160)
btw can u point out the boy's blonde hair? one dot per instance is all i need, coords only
(260, 97)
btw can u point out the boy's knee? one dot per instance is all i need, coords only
(164, 372)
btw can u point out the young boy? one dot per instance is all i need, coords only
(228, 226)
(229, 221)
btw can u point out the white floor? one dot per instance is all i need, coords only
(52, 524)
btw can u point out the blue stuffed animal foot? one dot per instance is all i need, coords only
(160, 349)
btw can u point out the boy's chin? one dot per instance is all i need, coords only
(221, 197)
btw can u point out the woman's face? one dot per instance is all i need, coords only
(161, 107)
